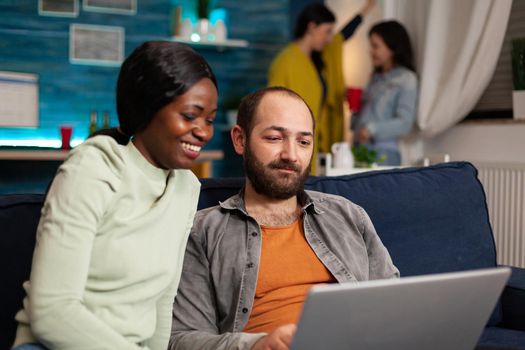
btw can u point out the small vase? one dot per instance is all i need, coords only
(220, 31)
(186, 29)
(518, 104)
(203, 28)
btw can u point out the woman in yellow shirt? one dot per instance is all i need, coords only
(311, 65)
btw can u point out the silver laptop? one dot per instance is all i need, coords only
(440, 311)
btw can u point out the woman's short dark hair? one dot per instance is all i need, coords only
(397, 40)
(249, 104)
(317, 13)
(151, 77)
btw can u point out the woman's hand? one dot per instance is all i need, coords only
(279, 339)
(370, 4)
(363, 135)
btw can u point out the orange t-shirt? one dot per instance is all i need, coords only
(287, 269)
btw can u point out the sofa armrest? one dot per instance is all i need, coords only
(513, 300)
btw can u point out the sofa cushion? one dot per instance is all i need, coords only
(501, 338)
(19, 215)
(431, 219)
(513, 301)
(215, 190)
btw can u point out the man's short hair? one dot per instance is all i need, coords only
(250, 103)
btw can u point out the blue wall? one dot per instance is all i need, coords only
(40, 45)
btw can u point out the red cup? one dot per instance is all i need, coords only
(65, 133)
(353, 95)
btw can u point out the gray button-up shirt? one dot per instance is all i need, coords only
(219, 278)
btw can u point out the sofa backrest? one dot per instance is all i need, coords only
(19, 215)
(432, 219)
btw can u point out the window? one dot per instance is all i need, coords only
(496, 101)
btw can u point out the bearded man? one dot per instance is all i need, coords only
(251, 260)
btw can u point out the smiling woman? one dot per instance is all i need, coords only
(176, 135)
(115, 222)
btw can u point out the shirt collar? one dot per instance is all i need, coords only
(236, 202)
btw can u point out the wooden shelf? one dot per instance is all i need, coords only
(53, 155)
(33, 154)
(229, 43)
(207, 156)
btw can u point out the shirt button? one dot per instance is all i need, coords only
(249, 265)
(254, 234)
(244, 310)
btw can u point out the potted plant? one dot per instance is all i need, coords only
(365, 158)
(518, 72)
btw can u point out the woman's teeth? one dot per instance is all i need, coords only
(191, 147)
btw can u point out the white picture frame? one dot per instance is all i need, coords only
(120, 7)
(19, 99)
(58, 8)
(96, 45)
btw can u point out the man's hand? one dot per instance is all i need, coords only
(279, 339)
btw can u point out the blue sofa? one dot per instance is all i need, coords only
(432, 219)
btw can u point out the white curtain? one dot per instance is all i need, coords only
(456, 44)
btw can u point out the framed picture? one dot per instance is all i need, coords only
(18, 99)
(58, 8)
(96, 45)
(121, 7)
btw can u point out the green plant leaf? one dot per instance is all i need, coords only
(364, 157)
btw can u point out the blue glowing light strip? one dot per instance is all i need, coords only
(48, 143)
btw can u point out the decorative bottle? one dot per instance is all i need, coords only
(105, 120)
(93, 122)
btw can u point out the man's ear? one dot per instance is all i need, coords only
(238, 139)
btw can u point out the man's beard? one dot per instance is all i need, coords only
(275, 185)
